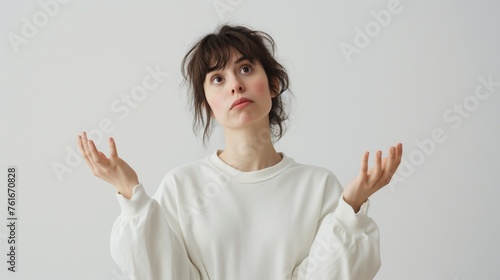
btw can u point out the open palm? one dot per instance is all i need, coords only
(113, 170)
(371, 180)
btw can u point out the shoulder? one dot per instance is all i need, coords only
(311, 169)
(317, 183)
(313, 173)
(186, 170)
(181, 180)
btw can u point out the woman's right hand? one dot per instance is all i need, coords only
(112, 170)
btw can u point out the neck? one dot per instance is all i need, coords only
(249, 148)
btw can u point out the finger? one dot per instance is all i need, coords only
(86, 145)
(399, 153)
(94, 152)
(364, 165)
(389, 166)
(85, 142)
(80, 145)
(112, 148)
(377, 169)
(83, 152)
(396, 157)
(86, 154)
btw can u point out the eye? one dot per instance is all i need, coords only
(217, 80)
(245, 69)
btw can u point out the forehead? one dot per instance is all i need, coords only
(220, 60)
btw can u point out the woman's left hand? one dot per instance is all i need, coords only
(370, 181)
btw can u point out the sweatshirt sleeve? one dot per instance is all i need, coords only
(143, 243)
(345, 247)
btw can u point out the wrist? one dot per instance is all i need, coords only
(126, 190)
(353, 202)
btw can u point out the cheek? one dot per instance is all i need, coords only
(214, 102)
(212, 99)
(262, 87)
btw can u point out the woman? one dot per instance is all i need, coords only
(247, 211)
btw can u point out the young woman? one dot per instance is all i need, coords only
(247, 211)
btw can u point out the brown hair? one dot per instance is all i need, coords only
(213, 51)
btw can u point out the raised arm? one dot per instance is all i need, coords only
(143, 243)
(346, 245)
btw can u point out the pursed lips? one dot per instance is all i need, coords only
(240, 101)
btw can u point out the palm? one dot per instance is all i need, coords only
(113, 170)
(371, 180)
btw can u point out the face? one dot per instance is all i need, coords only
(239, 94)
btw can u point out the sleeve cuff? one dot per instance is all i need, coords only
(352, 222)
(136, 204)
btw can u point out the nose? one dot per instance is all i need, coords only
(237, 86)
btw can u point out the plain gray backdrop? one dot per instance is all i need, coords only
(365, 75)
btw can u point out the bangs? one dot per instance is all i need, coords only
(216, 50)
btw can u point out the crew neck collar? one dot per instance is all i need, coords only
(249, 176)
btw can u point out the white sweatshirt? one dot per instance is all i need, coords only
(208, 220)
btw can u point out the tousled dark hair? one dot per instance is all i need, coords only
(213, 52)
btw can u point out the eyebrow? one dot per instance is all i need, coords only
(239, 60)
(242, 58)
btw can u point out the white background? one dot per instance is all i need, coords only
(440, 221)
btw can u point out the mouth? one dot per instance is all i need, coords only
(242, 102)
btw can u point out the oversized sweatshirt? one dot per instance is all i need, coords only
(208, 220)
